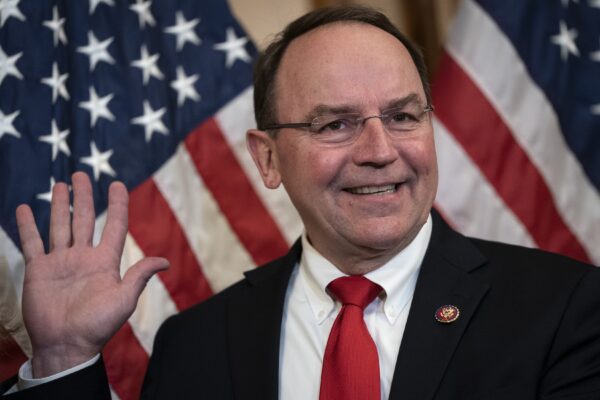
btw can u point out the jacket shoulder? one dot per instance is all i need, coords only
(529, 260)
(214, 307)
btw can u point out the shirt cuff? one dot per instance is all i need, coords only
(27, 381)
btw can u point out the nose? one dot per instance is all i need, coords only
(374, 146)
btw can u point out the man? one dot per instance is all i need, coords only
(344, 123)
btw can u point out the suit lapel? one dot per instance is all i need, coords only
(254, 327)
(427, 345)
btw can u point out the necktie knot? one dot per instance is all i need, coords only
(355, 290)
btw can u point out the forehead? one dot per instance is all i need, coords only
(344, 64)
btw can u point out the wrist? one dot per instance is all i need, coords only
(49, 362)
(26, 380)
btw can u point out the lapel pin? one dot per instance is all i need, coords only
(447, 314)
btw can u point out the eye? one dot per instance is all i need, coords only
(400, 116)
(336, 125)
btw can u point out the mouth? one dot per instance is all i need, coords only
(377, 190)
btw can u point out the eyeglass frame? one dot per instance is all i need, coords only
(360, 121)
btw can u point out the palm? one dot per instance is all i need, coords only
(74, 299)
(58, 300)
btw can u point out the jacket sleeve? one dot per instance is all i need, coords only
(90, 383)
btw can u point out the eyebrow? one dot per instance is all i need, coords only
(324, 109)
(411, 99)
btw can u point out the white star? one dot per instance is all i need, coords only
(97, 51)
(98, 107)
(595, 55)
(147, 63)
(57, 83)
(594, 3)
(151, 120)
(47, 196)
(56, 25)
(6, 124)
(99, 161)
(142, 9)
(234, 47)
(7, 65)
(184, 30)
(184, 85)
(9, 8)
(566, 40)
(58, 140)
(595, 109)
(94, 4)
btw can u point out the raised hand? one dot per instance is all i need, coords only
(74, 299)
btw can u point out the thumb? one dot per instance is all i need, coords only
(139, 274)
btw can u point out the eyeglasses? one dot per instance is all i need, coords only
(399, 122)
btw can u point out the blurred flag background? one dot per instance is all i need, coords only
(517, 97)
(157, 93)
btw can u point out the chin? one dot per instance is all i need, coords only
(381, 241)
(384, 236)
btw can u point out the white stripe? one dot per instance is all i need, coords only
(98, 228)
(482, 50)
(234, 120)
(485, 215)
(12, 268)
(113, 395)
(154, 305)
(221, 255)
(14, 261)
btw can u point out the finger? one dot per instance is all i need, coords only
(83, 209)
(115, 229)
(60, 218)
(138, 275)
(31, 243)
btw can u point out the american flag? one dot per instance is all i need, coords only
(156, 94)
(517, 124)
(517, 121)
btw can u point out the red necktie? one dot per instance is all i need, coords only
(350, 364)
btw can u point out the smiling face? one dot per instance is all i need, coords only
(363, 202)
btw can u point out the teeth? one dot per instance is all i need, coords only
(373, 189)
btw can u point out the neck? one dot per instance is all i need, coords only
(360, 265)
(360, 260)
(354, 258)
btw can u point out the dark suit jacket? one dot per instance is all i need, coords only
(529, 328)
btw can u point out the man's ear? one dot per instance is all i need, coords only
(262, 148)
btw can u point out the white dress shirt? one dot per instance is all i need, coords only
(309, 313)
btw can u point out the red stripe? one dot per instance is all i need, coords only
(470, 117)
(126, 362)
(11, 357)
(226, 179)
(158, 233)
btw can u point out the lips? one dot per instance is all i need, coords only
(364, 190)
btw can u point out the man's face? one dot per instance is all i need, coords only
(351, 213)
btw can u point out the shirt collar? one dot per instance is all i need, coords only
(397, 277)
